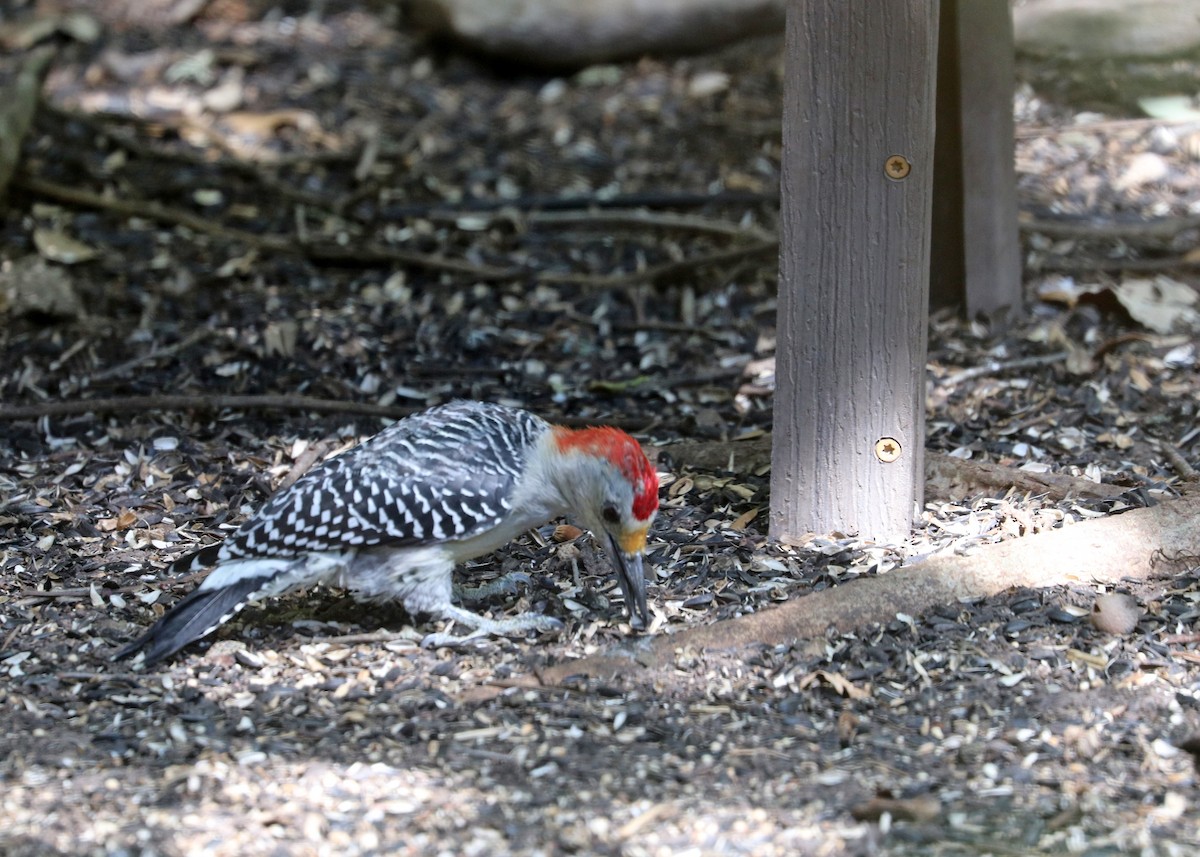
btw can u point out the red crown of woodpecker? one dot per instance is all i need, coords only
(626, 454)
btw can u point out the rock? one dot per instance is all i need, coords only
(1107, 28)
(1116, 613)
(578, 33)
(1108, 55)
(1093, 54)
(571, 33)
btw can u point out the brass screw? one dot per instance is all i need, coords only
(887, 449)
(897, 167)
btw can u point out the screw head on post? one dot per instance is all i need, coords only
(887, 449)
(897, 167)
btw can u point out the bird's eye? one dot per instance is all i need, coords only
(611, 515)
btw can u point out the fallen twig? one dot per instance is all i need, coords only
(372, 254)
(80, 675)
(86, 592)
(142, 404)
(665, 271)
(1182, 467)
(640, 219)
(156, 353)
(648, 324)
(946, 478)
(304, 462)
(952, 479)
(645, 199)
(9, 638)
(197, 157)
(1164, 228)
(1031, 131)
(1082, 265)
(994, 367)
(356, 253)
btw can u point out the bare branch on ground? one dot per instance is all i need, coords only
(1124, 547)
(267, 401)
(946, 477)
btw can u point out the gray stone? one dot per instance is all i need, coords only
(1108, 28)
(576, 33)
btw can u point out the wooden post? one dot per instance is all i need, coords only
(976, 248)
(858, 126)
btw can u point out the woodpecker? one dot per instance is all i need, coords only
(392, 517)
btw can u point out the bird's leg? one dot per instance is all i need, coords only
(482, 626)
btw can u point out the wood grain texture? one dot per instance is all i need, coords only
(854, 266)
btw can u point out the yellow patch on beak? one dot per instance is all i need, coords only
(634, 541)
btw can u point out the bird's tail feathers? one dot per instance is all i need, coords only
(196, 615)
(197, 560)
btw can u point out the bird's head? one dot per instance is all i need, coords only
(617, 499)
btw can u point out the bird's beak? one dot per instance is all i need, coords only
(631, 577)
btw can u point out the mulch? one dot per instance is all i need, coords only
(376, 225)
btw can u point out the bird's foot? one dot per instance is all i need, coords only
(483, 627)
(504, 585)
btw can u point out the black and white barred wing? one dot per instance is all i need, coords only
(421, 481)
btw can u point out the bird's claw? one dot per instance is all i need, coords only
(446, 640)
(485, 628)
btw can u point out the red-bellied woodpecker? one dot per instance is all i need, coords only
(390, 519)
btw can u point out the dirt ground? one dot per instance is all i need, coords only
(298, 208)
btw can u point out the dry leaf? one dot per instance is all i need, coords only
(681, 486)
(123, 521)
(743, 520)
(839, 683)
(62, 248)
(1161, 304)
